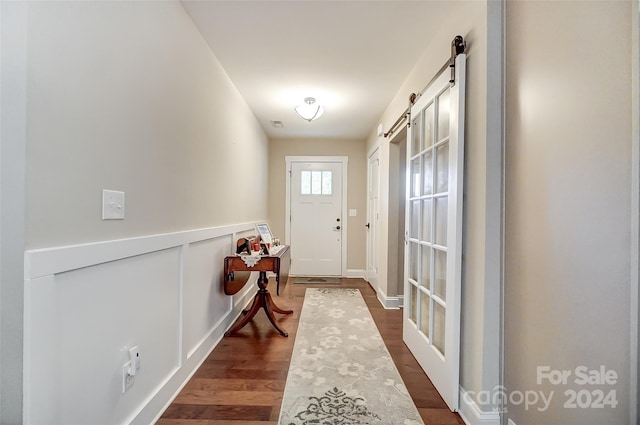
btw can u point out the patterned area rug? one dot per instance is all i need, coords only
(341, 372)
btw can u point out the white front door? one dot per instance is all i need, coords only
(433, 250)
(317, 224)
(373, 196)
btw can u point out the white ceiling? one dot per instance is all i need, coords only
(352, 56)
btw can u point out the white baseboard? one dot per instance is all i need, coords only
(387, 302)
(471, 413)
(354, 273)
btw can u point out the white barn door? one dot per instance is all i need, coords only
(433, 249)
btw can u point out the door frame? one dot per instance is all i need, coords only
(373, 153)
(343, 160)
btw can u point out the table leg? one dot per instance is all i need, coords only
(261, 300)
(269, 308)
(255, 307)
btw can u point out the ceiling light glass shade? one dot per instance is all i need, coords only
(309, 111)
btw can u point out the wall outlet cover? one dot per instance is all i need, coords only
(112, 205)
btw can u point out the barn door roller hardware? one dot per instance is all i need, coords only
(458, 46)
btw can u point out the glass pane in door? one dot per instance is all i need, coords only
(414, 253)
(415, 177)
(438, 327)
(416, 135)
(444, 106)
(414, 224)
(427, 161)
(442, 168)
(425, 313)
(441, 221)
(428, 126)
(425, 267)
(426, 219)
(413, 303)
(440, 274)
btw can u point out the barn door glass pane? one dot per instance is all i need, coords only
(440, 274)
(414, 224)
(427, 161)
(425, 267)
(415, 177)
(428, 126)
(426, 220)
(425, 312)
(438, 327)
(416, 146)
(444, 106)
(414, 256)
(442, 168)
(441, 221)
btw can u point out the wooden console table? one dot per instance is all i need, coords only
(236, 273)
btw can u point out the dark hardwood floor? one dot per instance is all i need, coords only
(243, 379)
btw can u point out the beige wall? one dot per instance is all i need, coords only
(356, 189)
(568, 185)
(127, 96)
(480, 366)
(113, 95)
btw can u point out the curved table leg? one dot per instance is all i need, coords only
(269, 308)
(274, 307)
(255, 307)
(261, 300)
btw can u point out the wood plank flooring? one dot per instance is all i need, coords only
(243, 379)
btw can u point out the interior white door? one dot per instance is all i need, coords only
(373, 213)
(433, 248)
(316, 218)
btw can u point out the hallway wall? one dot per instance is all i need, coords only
(568, 223)
(127, 96)
(124, 96)
(356, 190)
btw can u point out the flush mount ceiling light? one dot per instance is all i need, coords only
(309, 111)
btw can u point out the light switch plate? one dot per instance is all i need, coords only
(353, 213)
(112, 205)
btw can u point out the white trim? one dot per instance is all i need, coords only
(471, 413)
(635, 218)
(343, 160)
(42, 265)
(389, 303)
(354, 273)
(48, 261)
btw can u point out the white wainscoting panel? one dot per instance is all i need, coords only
(85, 305)
(204, 299)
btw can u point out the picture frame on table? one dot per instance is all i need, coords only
(266, 237)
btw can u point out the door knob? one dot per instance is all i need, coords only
(337, 228)
(368, 225)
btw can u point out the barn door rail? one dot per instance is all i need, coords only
(458, 46)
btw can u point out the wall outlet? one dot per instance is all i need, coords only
(112, 205)
(134, 355)
(127, 379)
